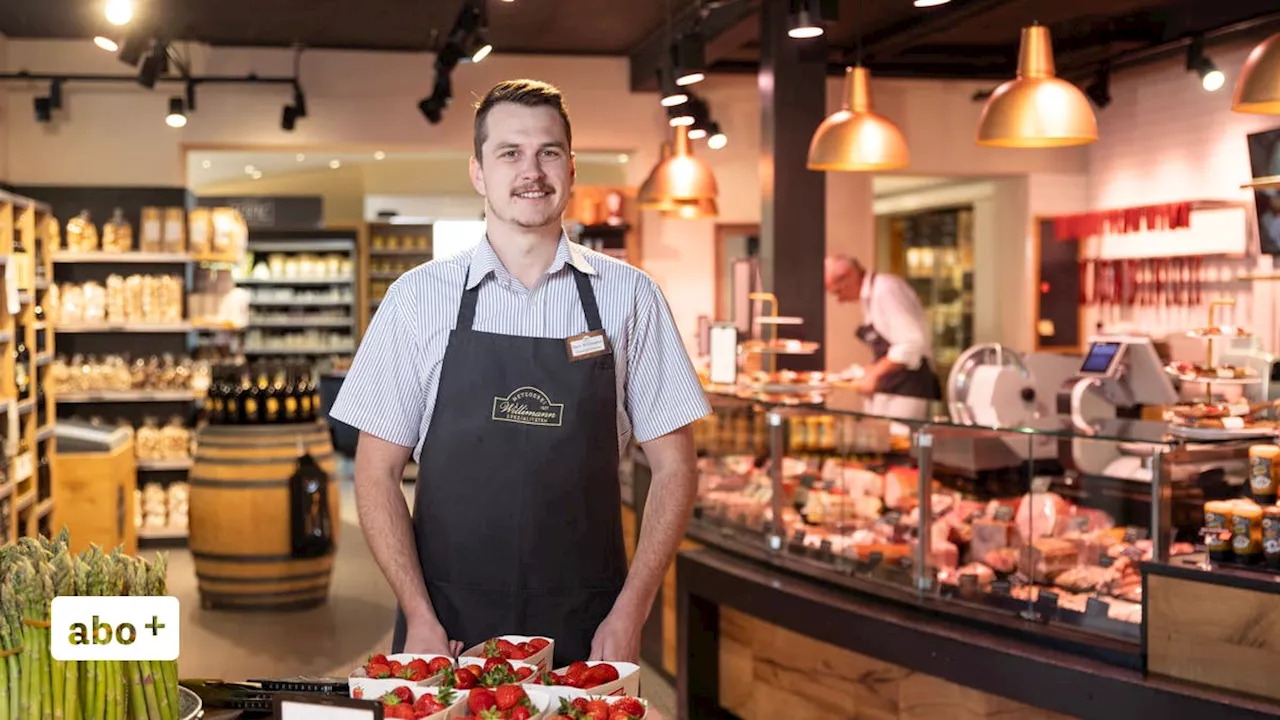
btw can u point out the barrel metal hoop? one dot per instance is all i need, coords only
(208, 577)
(257, 461)
(219, 557)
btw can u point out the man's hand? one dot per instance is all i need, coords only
(865, 385)
(618, 638)
(426, 638)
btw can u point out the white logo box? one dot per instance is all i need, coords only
(361, 686)
(541, 659)
(628, 683)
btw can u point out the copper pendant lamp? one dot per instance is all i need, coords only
(692, 209)
(1037, 109)
(1258, 89)
(678, 178)
(855, 138)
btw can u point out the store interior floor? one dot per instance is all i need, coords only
(324, 641)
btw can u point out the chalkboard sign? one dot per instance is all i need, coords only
(273, 212)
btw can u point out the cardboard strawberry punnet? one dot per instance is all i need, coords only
(383, 673)
(419, 703)
(592, 678)
(596, 706)
(532, 649)
(507, 702)
(488, 672)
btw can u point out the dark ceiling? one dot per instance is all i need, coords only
(962, 39)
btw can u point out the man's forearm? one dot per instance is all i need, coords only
(388, 530)
(882, 366)
(666, 515)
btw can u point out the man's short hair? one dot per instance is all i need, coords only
(835, 266)
(529, 93)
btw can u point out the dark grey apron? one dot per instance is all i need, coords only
(517, 512)
(918, 383)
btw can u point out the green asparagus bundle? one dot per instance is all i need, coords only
(33, 686)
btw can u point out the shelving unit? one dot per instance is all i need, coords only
(329, 299)
(388, 250)
(27, 502)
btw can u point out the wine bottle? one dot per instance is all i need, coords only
(306, 407)
(275, 395)
(236, 397)
(290, 394)
(21, 366)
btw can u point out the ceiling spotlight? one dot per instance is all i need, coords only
(131, 49)
(717, 139)
(930, 3)
(1211, 78)
(301, 157)
(154, 65)
(177, 116)
(483, 46)
(249, 169)
(257, 175)
(206, 164)
(807, 23)
(119, 12)
(379, 155)
(680, 120)
(44, 110)
(335, 164)
(623, 157)
(106, 43)
(689, 59)
(672, 95)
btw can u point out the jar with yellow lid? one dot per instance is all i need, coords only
(1218, 516)
(1264, 472)
(1246, 534)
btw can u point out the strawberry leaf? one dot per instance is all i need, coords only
(446, 696)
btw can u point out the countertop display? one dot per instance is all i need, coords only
(1022, 541)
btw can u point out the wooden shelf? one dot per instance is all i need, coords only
(296, 281)
(303, 303)
(162, 533)
(400, 253)
(127, 328)
(1262, 183)
(347, 350)
(124, 257)
(103, 396)
(309, 323)
(166, 464)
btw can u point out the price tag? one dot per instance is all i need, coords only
(1041, 484)
(1048, 598)
(875, 558)
(799, 537)
(1133, 534)
(291, 706)
(824, 549)
(968, 585)
(1004, 513)
(1000, 587)
(1093, 607)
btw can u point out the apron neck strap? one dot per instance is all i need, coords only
(587, 297)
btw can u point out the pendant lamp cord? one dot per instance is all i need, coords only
(858, 23)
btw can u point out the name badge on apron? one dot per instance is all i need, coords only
(587, 345)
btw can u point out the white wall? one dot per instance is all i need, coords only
(368, 100)
(1164, 139)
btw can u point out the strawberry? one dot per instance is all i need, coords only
(599, 675)
(428, 705)
(396, 668)
(520, 712)
(508, 696)
(597, 710)
(491, 649)
(416, 670)
(378, 671)
(505, 647)
(619, 715)
(576, 669)
(580, 704)
(538, 643)
(378, 659)
(491, 663)
(520, 654)
(357, 693)
(481, 699)
(404, 694)
(523, 674)
(397, 712)
(629, 705)
(437, 664)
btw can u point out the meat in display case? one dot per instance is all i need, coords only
(1012, 530)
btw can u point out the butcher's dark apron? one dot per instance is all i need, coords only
(517, 512)
(918, 383)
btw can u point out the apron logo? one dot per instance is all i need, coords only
(528, 406)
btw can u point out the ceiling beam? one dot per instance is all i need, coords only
(899, 36)
(919, 71)
(716, 18)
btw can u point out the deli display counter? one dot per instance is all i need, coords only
(840, 564)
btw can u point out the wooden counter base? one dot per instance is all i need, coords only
(756, 644)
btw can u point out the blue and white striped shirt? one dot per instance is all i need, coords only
(390, 390)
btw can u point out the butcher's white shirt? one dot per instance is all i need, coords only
(895, 312)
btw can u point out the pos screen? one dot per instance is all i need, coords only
(1101, 358)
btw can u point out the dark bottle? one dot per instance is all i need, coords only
(289, 394)
(256, 397)
(22, 366)
(211, 397)
(234, 414)
(42, 410)
(274, 403)
(306, 412)
(44, 474)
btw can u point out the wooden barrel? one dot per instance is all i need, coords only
(239, 517)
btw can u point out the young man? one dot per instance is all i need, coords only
(900, 382)
(515, 373)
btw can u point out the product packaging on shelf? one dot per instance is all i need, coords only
(363, 686)
(541, 659)
(628, 682)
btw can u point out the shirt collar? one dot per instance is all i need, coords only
(486, 261)
(866, 286)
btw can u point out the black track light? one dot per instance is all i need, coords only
(177, 116)
(716, 139)
(1099, 91)
(1211, 78)
(433, 107)
(44, 110)
(690, 59)
(55, 94)
(299, 101)
(809, 17)
(672, 94)
(131, 49)
(154, 66)
(191, 95)
(289, 118)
